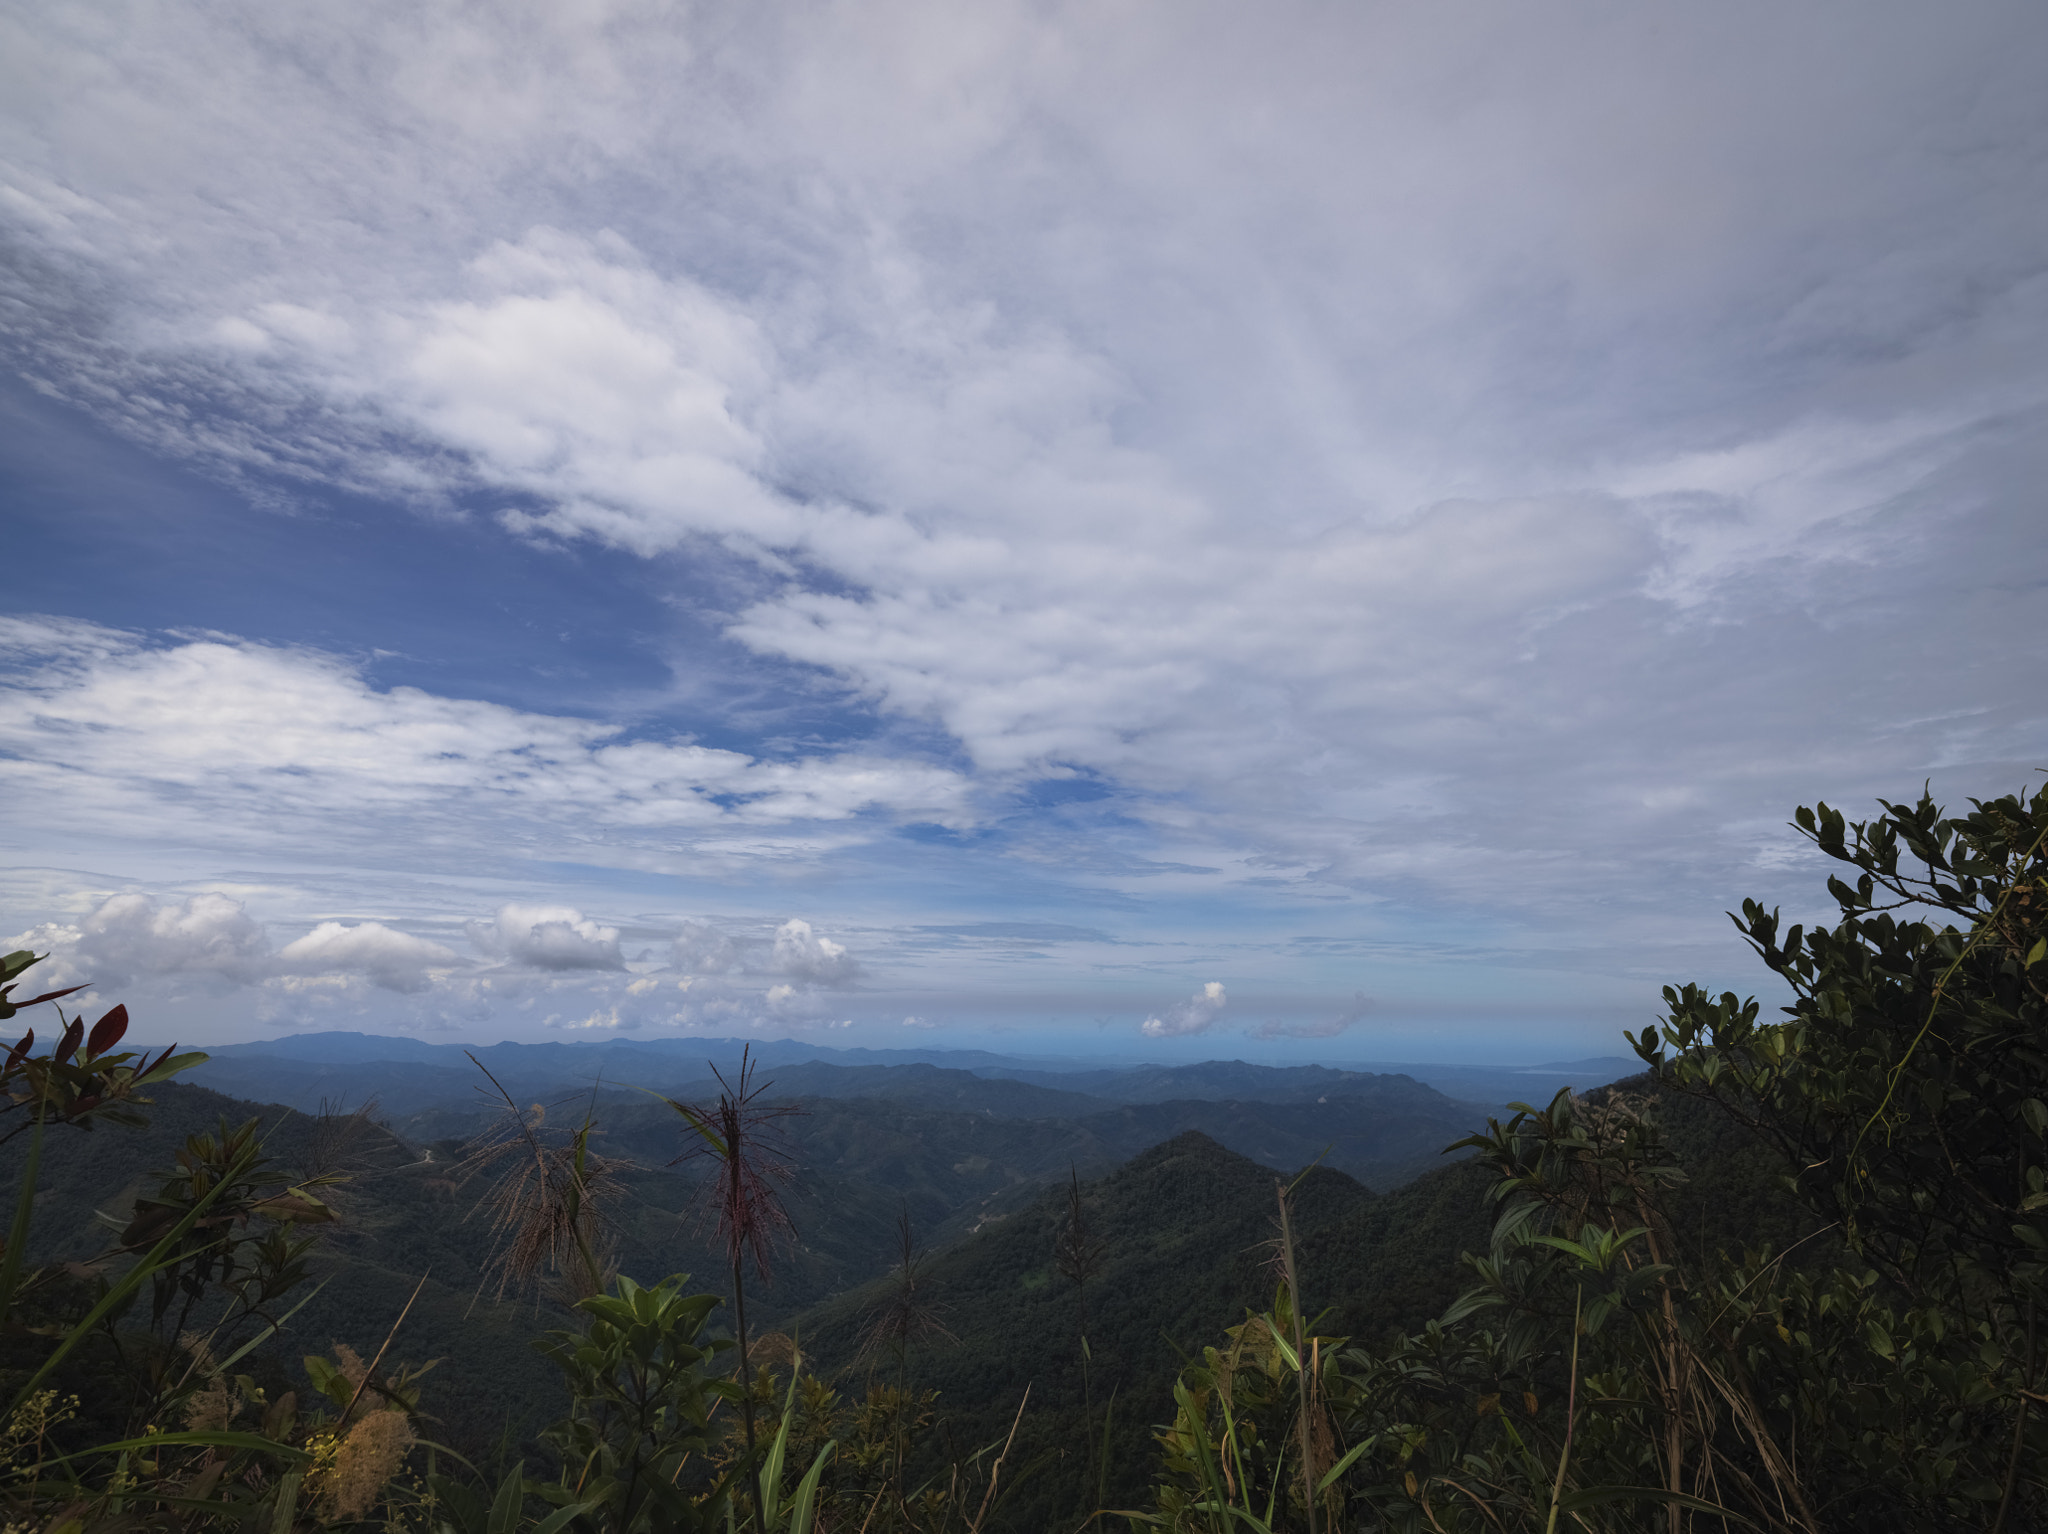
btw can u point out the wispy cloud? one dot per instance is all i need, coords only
(1318, 1028)
(260, 747)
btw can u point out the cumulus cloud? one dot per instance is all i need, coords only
(802, 954)
(133, 935)
(397, 961)
(1195, 1015)
(548, 937)
(699, 949)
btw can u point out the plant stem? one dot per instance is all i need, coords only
(1305, 1431)
(1571, 1417)
(739, 1305)
(2019, 1432)
(24, 1211)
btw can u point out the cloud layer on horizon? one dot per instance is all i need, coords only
(211, 945)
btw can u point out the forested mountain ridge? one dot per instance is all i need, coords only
(407, 1215)
(1382, 1129)
(1185, 1224)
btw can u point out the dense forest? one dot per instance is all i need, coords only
(1786, 1278)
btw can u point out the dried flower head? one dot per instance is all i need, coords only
(905, 1315)
(212, 1409)
(743, 1136)
(367, 1460)
(546, 1199)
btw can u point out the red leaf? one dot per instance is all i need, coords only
(106, 1033)
(48, 996)
(20, 1051)
(69, 1042)
(159, 1060)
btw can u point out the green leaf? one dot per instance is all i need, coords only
(562, 1517)
(287, 1503)
(803, 1509)
(1594, 1496)
(24, 1210)
(2038, 952)
(505, 1506)
(1330, 1476)
(119, 1295)
(210, 1440)
(269, 1331)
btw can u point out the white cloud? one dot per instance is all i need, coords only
(548, 937)
(132, 936)
(1382, 451)
(395, 960)
(604, 1019)
(698, 949)
(586, 377)
(254, 746)
(1195, 1015)
(803, 955)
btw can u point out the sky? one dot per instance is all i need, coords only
(1158, 529)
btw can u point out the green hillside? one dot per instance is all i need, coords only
(1187, 1230)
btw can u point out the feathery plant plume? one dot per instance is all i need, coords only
(904, 1317)
(547, 1197)
(365, 1462)
(1078, 1256)
(743, 1139)
(330, 1149)
(1075, 1251)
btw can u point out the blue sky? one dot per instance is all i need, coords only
(1169, 530)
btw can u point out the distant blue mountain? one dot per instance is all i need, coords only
(408, 1075)
(341, 1048)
